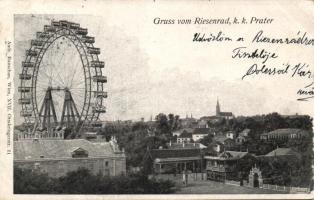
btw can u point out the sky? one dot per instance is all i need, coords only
(155, 69)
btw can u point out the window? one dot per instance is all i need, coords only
(36, 165)
(79, 153)
(106, 163)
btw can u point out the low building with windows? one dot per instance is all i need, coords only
(282, 153)
(175, 160)
(185, 137)
(200, 133)
(57, 157)
(284, 134)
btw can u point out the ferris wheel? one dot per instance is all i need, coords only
(61, 83)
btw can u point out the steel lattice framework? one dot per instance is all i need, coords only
(55, 91)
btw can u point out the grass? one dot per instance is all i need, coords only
(211, 187)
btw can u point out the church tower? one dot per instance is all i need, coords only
(217, 108)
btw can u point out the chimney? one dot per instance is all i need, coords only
(183, 144)
(170, 143)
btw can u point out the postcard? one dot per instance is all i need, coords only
(157, 99)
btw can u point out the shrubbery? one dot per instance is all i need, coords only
(83, 182)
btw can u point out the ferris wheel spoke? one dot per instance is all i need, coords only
(73, 75)
(43, 87)
(59, 81)
(81, 96)
(80, 83)
(78, 96)
(78, 89)
(59, 77)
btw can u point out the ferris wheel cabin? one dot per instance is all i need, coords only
(25, 101)
(88, 39)
(24, 89)
(28, 64)
(55, 23)
(42, 35)
(100, 64)
(31, 53)
(100, 94)
(100, 78)
(99, 109)
(81, 31)
(37, 43)
(25, 76)
(49, 28)
(26, 113)
(93, 50)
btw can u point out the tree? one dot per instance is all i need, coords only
(27, 181)
(83, 182)
(162, 124)
(207, 139)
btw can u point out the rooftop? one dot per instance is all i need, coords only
(186, 146)
(287, 131)
(228, 155)
(225, 114)
(185, 134)
(175, 153)
(282, 152)
(58, 149)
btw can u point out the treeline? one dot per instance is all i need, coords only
(83, 182)
(264, 123)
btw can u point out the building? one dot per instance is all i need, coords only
(285, 134)
(175, 160)
(240, 140)
(57, 157)
(245, 132)
(200, 133)
(282, 153)
(180, 131)
(242, 136)
(224, 115)
(193, 145)
(224, 166)
(224, 142)
(230, 134)
(202, 123)
(185, 137)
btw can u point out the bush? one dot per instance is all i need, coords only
(83, 182)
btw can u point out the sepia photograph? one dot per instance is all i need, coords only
(182, 100)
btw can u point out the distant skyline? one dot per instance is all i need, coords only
(155, 69)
